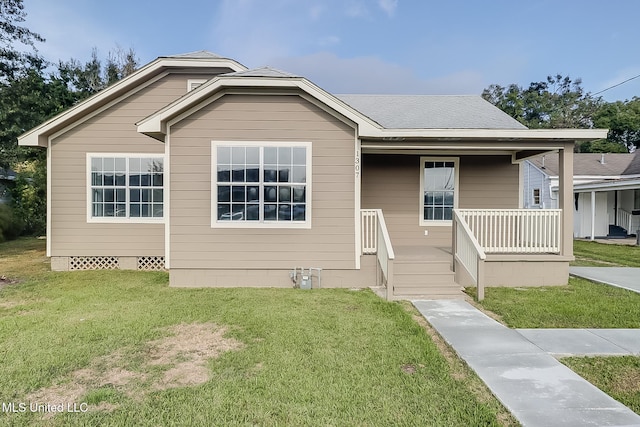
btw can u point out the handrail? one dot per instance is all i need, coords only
(625, 220)
(515, 230)
(375, 240)
(468, 252)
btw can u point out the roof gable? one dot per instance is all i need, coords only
(38, 136)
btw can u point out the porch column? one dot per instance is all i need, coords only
(593, 216)
(565, 199)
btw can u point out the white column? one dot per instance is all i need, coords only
(593, 215)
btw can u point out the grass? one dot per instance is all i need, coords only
(594, 254)
(619, 377)
(321, 357)
(580, 304)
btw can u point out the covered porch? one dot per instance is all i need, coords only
(484, 239)
(607, 209)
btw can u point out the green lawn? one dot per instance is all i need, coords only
(617, 376)
(601, 255)
(140, 353)
(581, 304)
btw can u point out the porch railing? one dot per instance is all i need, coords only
(369, 231)
(376, 240)
(515, 231)
(625, 220)
(468, 252)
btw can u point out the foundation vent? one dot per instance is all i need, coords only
(93, 263)
(150, 263)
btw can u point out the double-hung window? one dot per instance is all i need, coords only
(125, 187)
(261, 184)
(439, 190)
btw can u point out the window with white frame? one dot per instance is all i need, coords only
(536, 196)
(194, 83)
(261, 184)
(439, 186)
(126, 187)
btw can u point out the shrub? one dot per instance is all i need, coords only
(11, 226)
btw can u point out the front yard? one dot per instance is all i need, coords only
(581, 304)
(129, 350)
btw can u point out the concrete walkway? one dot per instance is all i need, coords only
(536, 388)
(621, 277)
(585, 342)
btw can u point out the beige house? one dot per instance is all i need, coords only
(234, 177)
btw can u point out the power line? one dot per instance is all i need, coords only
(616, 85)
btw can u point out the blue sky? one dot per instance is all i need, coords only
(368, 46)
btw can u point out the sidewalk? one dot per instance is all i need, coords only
(536, 388)
(621, 277)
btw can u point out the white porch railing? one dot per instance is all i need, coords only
(515, 231)
(468, 252)
(376, 240)
(625, 220)
(369, 231)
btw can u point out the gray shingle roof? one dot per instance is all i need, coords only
(431, 111)
(262, 72)
(199, 54)
(590, 164)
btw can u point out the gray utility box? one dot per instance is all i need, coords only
(305, 281)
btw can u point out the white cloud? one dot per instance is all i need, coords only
(389, 6)
(370, 74)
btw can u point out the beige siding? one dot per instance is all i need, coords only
(110, 131)
(392, 183)
(329, 244)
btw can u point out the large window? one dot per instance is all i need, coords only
(439, 190)
(261, 184)
(125, 187)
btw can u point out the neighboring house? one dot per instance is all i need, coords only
(7, 179)
(606, 191)
(236, 177)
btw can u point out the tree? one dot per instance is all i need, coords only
(90, 78)
(11, 34)
(557, 102)
(623, 121)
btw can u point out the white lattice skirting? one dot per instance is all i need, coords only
(144, 263)
(93, 263)
(150, 263)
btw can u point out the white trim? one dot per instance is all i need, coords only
(49, 186)
(121, 220)
(167, 201)
(195, 83)
(106, 106)
(306, 224)
(154, 125)
(456, 189)
(357, 200)
(33, 136)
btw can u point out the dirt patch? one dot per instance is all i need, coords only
(182, 358)
(6, 281)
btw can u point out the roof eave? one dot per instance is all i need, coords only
(558, 135)
(155, 124)
(39, 136)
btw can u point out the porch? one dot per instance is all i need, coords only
(496, 247)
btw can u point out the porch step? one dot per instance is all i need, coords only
(425, 279)
(617, 232)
